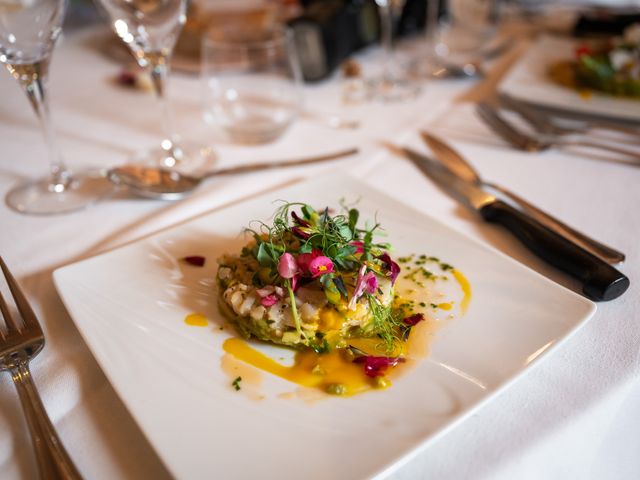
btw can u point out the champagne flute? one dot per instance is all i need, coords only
(393, 83)
(150, 29)
(28, 32)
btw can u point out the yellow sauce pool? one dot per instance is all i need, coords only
(196, 320)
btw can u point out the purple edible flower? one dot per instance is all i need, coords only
(376, 366)
(391, 266)
(299, 221)
(300, 232)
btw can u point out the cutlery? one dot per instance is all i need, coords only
(450, 71)
(460, 167)
(169, 184)
(529, 143)
(600, 281)
(544, 124)
(18, 345)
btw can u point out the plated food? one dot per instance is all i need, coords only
(611, 67)
(324, 285)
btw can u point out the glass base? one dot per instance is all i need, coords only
(186, 157)
(39, 198)
(393, 89)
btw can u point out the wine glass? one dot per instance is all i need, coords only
(28, 32)
(253, 82)
(150, 29)
(394, 82)
(458, 31)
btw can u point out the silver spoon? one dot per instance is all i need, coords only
(167, 184)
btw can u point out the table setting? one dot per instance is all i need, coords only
(381, 239)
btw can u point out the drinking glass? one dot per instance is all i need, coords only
(252, 82)
(394, 83)
(150, 29)
(458, 30)
(28, 32)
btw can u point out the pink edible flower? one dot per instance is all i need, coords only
(376, 366)
(287, 266)
(360, 286)
(370, 282)
(392, 267)
(304, 259)
(269, 300)
(413, 319)
(320, 265)
(359, 246)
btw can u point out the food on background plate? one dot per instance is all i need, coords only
(611, 67)
(323, 285)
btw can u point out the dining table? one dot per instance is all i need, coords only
(574, 414)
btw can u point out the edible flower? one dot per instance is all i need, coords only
(413, 319)
(366, 282)
(304, 259)
(377, 366)
(392, 267)
(269, 300)
(359, 246)
(302, 232)
(299, 221)
(287, 266)
(583, 50)
(320, 265)
(195, 260)
(371, 282)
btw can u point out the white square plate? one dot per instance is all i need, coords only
(129, 305)
(528, 81)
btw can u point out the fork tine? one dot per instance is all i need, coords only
(24, 308)
(12, 326)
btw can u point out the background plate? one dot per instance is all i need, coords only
(528, 81)
(129, 305)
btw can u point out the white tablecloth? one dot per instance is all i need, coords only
(575, 415)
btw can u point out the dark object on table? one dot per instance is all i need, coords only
(329, 31)
(602, 22)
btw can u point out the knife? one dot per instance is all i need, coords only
(600, 281)
(459, 166)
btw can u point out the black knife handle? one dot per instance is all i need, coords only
(600, 281)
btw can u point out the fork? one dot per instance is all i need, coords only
(18, 345)
(529, 143)
(544, 124)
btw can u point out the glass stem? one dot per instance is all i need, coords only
(159, 71)
(33, 78)
(433, 30)
(386, 33)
